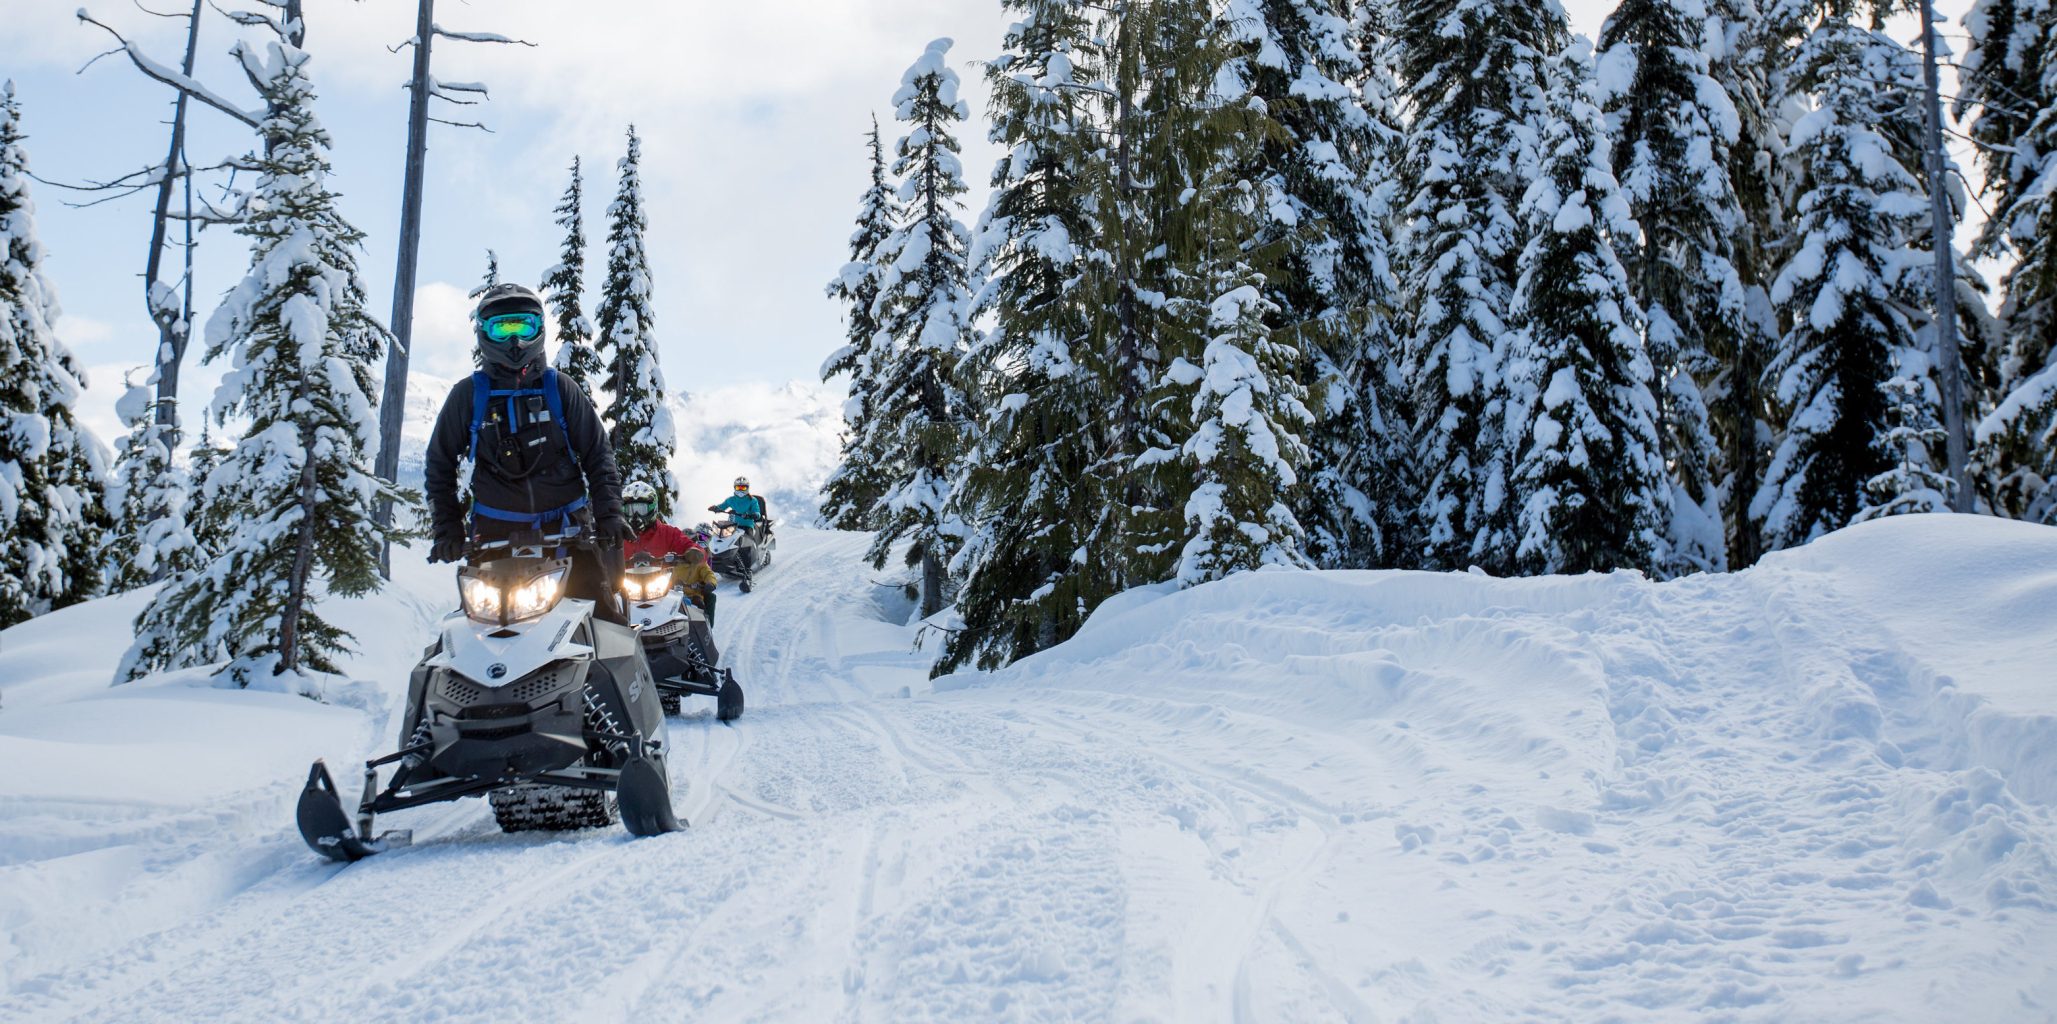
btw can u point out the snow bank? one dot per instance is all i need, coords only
(1824, 789)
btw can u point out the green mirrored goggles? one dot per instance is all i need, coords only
(512, 327)
(638, 509)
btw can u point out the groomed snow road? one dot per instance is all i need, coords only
(1820, 790)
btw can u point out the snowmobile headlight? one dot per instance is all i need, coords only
(482, 597)
(646, 586)
(533, 598)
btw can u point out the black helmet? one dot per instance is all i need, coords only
(515, 351)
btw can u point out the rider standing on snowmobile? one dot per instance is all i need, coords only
(540, 457)
(746, 510)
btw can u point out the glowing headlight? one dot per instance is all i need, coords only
(481, 598)
(645, 587)
(535, 597)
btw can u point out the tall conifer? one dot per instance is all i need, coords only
(295, 496)
(639, 421)
(850, 498)
(922, 304)
(52, 470)
(565, 283)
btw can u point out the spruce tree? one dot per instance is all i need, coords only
(2010, 92)
(1589, 475)
(1913, 484)
(294, 499)
(52, 470)
(923, 296)
(1474, 73)
(1673, 128)
(563, 284)
(1747, 45)
(850, 498)
(1024, 492)
(639, 422)
(148, 498)
(1841, 289)
(1323, 178)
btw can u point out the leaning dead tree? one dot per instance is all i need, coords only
(423, 87)
(171, 309)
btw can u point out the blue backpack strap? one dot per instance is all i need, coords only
(481, 397)
(555, 400)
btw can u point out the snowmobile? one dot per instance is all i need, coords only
(526, 698)
(739, 553)
(677, 640)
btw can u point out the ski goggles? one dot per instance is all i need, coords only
(639, 509)
(512, 327)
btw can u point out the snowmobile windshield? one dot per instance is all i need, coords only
(512, 590)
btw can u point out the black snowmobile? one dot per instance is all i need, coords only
(526, 698)
(738, 553)
(677, 640)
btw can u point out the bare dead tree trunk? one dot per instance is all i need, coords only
(174, 326)
(1951, 370)
(393, 404)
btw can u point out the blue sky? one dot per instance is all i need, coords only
(751, 114)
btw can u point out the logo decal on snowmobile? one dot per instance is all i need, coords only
(496, 670)
(636, 690)
(562, 629)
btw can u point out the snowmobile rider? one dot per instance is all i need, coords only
(746, 510)
(660, 539)
(652, 536)
(698, 580)
(541, 459)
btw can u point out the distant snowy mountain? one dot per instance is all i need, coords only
(782, 436)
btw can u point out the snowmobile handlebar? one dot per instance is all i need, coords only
(516, 543)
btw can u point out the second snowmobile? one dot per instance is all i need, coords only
(739, 553)
(677, 640)
(526, 698)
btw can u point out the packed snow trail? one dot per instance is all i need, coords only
(1819, 790)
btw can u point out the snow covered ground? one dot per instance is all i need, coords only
(1820, 790)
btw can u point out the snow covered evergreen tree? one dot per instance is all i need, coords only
(1747, 48)
(850, 498)
(1027, 480)
(639, 421)
(296, 494)
(922, 305)
(53, 473)
(563, 285)
(2010, 91)
(1843, 289)
(1914, 484)
(150, 539)
(1325, 178)
(1474, 73)
(1673, 126)
(1589, 477)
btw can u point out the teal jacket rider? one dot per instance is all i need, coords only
(744, 510)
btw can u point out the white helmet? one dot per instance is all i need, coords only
(742, 483)
(639, 505)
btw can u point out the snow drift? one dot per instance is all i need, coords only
(1821, 789)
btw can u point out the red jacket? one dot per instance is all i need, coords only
(658, 541)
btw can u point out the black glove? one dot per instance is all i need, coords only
(447, 549)
(614, 530)
(714, 508)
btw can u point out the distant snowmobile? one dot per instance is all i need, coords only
(677, 640)
(738, 553)
(526, 698)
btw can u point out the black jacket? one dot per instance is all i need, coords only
(555, 479)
